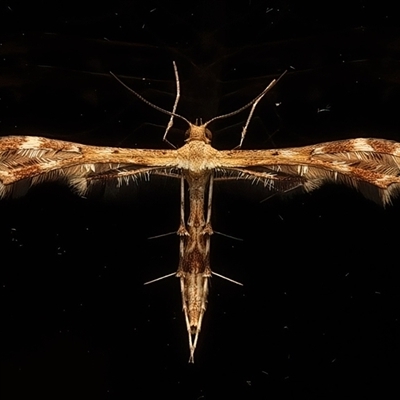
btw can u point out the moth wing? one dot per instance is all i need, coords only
(372, 166)
(26, 161)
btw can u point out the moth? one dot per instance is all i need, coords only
(372, 166)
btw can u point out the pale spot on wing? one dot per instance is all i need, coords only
(287, 153)
(31, 142)
(318, 150)
(343, 167)
(362, 145)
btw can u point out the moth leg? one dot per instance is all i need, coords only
(207, 227)
(192, 347)
(182, 231)
(193, 338)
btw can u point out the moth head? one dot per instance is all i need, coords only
(198, 132)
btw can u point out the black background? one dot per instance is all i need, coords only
(318, 315)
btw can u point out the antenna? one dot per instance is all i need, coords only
(172, 114)
(253, 103)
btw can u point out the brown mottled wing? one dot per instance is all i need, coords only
(29, 160)
(371, 166)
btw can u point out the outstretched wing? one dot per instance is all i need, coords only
(371, 166)
(28, 160)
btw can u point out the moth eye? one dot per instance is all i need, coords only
(208, 134)
(187, 133)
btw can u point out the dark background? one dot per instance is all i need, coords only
(318, 315)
